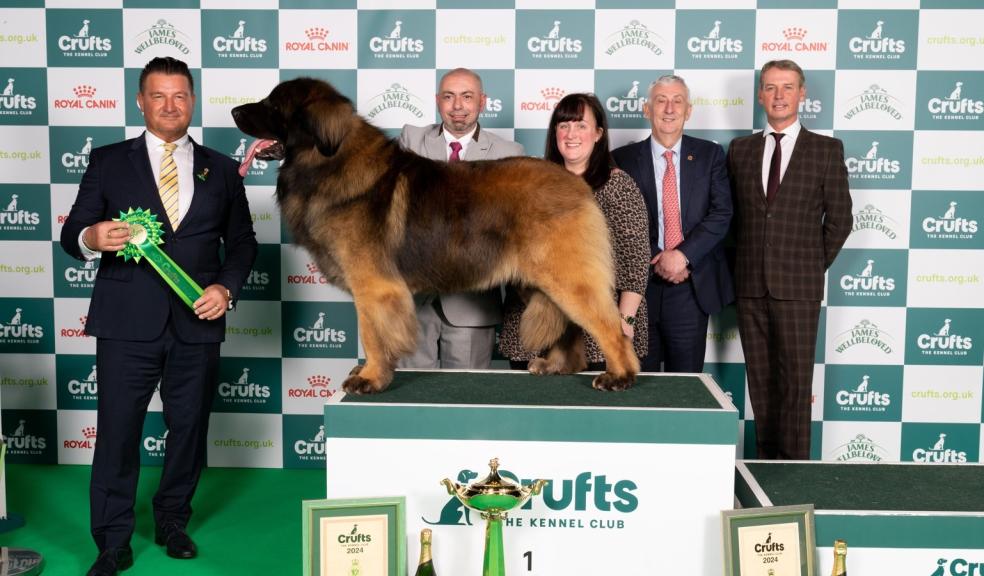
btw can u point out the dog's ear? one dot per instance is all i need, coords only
(328, 121)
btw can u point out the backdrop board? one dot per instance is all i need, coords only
(637, 478)
(910, 518)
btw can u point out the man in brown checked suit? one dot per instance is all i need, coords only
(792, 215)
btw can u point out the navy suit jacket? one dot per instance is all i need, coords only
(130, 301)
(705, 210)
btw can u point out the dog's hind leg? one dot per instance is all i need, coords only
(542, 322)
(388, 328)
(566, 356)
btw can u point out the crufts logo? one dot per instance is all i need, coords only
(769, 546)
(871, 218)
(629, 104)
(84, 43)
(21, 442)
(85, 99)
(11, 102)
(939, 453)
(313, 448)
(17, 330)
(354, 537)
(87, 387)
(715, 45)
(77, 162)
(955, 106)
(395, 97)
(949, 225)
(239, 44)
(318, 335)
(867, 282)
(257, 167)
(81, 273)
(943, 343)
(395, 44)
(13, 216)
(861, 399)
(872, 166)
(156, 445)
(957, 567)
(553, 44)
(242, 391)
(877, 45)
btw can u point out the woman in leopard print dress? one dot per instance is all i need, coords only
(577, 138)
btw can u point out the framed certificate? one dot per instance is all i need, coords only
(771, 541)
(363, 536)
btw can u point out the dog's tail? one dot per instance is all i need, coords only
(542, 323)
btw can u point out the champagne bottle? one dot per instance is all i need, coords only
(426, 565)
(840, 558)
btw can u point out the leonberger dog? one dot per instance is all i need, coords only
(384, 223)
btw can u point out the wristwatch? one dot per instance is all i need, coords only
(630, 320)
(229, 305)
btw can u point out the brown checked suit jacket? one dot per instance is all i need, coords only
(785, 246)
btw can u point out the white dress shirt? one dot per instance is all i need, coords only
(464, 141)
(788, 142)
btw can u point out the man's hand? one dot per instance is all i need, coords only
(213, 303)
(671, 265)
(108, 236)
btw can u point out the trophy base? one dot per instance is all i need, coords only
(20, 562)
(11, 522)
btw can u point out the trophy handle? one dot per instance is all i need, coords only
(532, 490)
(451, 486)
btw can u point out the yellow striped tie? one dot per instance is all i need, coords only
(168, 186)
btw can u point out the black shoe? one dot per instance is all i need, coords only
(111, 562)
(179, 544)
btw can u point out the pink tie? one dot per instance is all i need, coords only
(455, 152)
(672, 234)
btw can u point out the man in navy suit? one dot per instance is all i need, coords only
(684, 182)
(145, 333)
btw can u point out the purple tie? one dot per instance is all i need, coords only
(775, 167)
(455, 152)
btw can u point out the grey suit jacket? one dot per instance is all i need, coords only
(465, 308)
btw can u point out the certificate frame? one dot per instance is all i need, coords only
(764, 519)
(388, 513)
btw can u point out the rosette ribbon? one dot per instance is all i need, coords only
(145, 237)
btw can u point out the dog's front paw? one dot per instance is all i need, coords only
(358, 368)
(610, 382)
(540, 367)
(356, 384)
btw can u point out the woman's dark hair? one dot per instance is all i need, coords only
(571, 109)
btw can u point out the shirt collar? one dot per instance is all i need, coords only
(449, 137)
(659, 149)
(155, 142)
(791, 131)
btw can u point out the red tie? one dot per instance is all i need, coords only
(775, 167)
(455, 152)
(672, 234)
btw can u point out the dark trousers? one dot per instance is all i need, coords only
(779, 339)
(128, 374)
(677, 328)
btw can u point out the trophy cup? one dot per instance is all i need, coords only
(493, 497)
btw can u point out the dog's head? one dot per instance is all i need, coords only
(298, 114)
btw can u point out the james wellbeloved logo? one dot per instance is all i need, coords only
(602, 498)
(634, 34)
(864, 333)
(396, 38)
(940, 443)
(85, 37)
(715, 38)
(320, 329)
(944, 336)
(239, 38)
(396, 97)
(26, 325)
(870, 217)
(248, 385)
(23, 89)
(868, 278)
(860, 448)
(162, 33)
(873, 100)
(30, 436)
(554, 39)
(868, 393)
(25, 212)
(949, 101)
(878, 159)
(877, 39)
(316, 40)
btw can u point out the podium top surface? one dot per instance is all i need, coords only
(911, 487)
(516, 388)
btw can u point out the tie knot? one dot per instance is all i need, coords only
(778, 135)
(668, 155)
(169, 147)
(455, 146)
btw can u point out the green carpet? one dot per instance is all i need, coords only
(246, 521)
(518, 388)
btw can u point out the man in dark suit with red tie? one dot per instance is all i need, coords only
(792, 216)
(684, 183)
(145, 333)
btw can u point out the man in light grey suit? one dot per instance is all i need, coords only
(457, 330)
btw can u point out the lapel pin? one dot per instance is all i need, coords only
(202, 175)
(690, 157)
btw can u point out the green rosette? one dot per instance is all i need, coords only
(145, 237)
